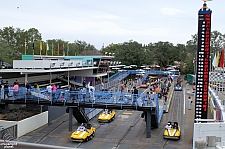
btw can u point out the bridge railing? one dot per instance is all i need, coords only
(100, 97)
(218, 105)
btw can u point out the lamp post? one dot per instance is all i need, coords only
(69, 64)
(52, 64)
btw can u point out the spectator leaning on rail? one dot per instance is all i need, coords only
(15, 89)
(49, 91)
(54, 89)
(28, 88)
(84, 83)
(6, 90)
(135, 96)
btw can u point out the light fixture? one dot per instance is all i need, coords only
(109, 53)
(89, 63)
(113, 53)
(52, 64)
(95, 63)
(62, 64)
(119, 62)
(106, 53)
(77, 64)
(70, 64)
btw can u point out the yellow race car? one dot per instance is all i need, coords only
(107, 116)
(83, 135)
(172, 131)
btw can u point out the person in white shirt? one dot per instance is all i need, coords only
(81, 128)
(106, 111)
(49, 90)
(102, 86)
(90, 87)
(189, 103)
(168, 126)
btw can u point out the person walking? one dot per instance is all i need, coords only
(135, 96)
(189, 103)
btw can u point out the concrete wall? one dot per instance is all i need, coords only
(202, 130)
(40, 64)
(81, 73)
(54, 112)
(7, 124)
(29, 124)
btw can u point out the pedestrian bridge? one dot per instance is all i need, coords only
(84, 106)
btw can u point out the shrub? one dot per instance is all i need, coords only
(20, 114)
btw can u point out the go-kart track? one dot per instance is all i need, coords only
(126, 131)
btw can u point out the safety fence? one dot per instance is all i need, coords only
(9, 133)
(216, 106)
(64, 96)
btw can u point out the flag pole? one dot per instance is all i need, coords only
(33, 47)
(52, 49)
(46, 49)
(25, 47)
(40, 47)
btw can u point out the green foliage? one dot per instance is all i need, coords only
(12, 46)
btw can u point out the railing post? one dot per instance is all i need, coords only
(70, 119)
(148, 124)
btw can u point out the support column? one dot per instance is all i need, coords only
(93, 83)
(68, 78)
(26, 76)
(50, 78)
(148, 124)
(70, 119)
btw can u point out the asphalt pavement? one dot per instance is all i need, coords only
(127, 131)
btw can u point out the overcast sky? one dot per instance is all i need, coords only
(110, 21)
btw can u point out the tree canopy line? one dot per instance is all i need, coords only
(12, 46)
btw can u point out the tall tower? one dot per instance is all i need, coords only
(203, 59)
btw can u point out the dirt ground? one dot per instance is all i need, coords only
(1, 116)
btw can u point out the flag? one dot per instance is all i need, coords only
(194, 60)
(222, 59)
(33, 45)
(26, 44)
(214, 61)
(47, 47)
(40, 45)
(25, 47)
(68, 48)
(64, 48)
(58, 48)
(218, 59)
(52, 49)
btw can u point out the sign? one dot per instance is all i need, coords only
(203, 65)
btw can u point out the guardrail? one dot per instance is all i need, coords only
(218, 106)
(169, 98)
(101, 97)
